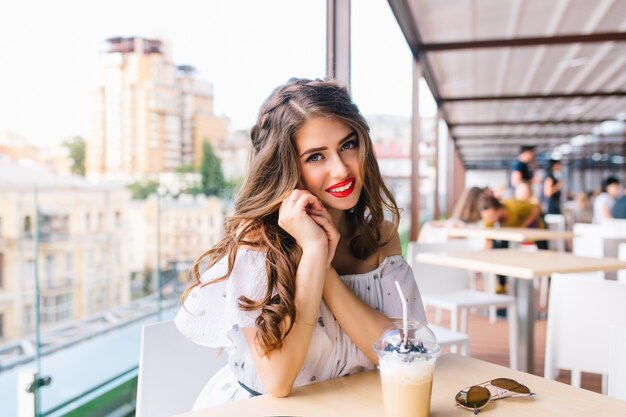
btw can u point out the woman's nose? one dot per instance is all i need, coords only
(338, 168)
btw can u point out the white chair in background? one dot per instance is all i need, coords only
(617, 362)
(172, 370)
(433, 231)
(599, 240)
(621, 255)
(448, 338)
(580, 314)
(448, 288)
(556, 222)
(588, 240)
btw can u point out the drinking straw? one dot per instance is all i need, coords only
(405, 315)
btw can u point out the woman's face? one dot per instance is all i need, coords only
(328, 155)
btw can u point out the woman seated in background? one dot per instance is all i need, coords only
(467, 210)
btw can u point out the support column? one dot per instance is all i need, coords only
(338, 41)
(437, 213)
(415, 156)
(450, 167)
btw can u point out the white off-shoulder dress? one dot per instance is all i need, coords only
(211, 317)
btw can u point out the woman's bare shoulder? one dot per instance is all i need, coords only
(394, 246)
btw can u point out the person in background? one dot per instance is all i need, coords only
(467, 210)
(552, 185)
(524, 194)
(604, 202)
(619, 208)
(303, 281)
(509, 213)
(523, 168)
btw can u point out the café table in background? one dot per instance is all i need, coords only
(524, 266)
(510, 234)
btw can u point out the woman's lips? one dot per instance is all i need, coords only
(342, 189)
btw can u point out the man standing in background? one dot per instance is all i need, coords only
(523, 168)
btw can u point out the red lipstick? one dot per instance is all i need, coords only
(342, 189)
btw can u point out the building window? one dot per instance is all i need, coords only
(1, 270)
(28, 226)
(69, 267)
(118, 218)
(49, 271)
(1, 326)
(87, 221)
(56, 308)
(0, 227)
(29, 319)
(100, 221)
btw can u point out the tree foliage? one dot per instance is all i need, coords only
(211, 171)
(76, 148)
(140, 190)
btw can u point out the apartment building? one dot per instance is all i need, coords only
(150, 115)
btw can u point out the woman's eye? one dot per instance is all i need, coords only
(351, 144)
(314, 158)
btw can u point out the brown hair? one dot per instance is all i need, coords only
(487, 203)
(467, 209)
(273, 174)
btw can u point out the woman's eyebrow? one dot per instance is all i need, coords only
(323, 148)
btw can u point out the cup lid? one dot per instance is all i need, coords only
(421, 340)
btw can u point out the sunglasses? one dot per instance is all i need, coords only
(478, 396)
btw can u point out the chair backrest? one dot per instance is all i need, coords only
(433, 232)
(621, 255)
(172, 370)
(432, 279)
(617, 362)
(580, 313)
(556, 222)
(588, 240)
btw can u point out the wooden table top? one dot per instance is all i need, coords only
(360, 395)
(519, 263)
(511, 234)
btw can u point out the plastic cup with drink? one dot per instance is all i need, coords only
(407, 352)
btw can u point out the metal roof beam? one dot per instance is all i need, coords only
(526, 136)
(528, 122)
(551, 96)
(530, 41)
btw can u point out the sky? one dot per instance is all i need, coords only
(50, 55)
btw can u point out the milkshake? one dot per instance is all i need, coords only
(406, 370)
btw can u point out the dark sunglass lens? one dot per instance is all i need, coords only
(474, 397)
(510, 385)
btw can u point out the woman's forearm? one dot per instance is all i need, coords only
(359, 321)
(279, 368)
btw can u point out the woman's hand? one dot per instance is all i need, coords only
(323, 219)
(294, 218)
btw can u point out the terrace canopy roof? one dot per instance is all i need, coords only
(524, 72)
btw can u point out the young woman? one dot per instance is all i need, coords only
(302, 283)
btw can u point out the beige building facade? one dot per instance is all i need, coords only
(188, 226)
(150, 115)
(83, 248)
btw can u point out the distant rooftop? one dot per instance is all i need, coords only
(26, 174)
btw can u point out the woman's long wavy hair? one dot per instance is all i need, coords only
(273, 174)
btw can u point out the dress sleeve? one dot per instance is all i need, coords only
(397, 269)
(211, 311)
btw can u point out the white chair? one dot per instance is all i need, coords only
(453, 340)
(433, 231)
(556, 222)
(448, 288)
(617, 362)
(580, 314)
(599, 240)
(172, 370)
(621, 255)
